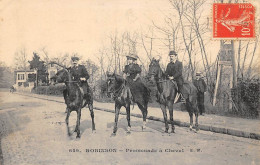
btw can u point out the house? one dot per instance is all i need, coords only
(25, 78)
(52, 70)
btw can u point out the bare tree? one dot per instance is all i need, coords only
(21, 59)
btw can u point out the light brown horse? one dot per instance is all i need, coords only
(167, 91)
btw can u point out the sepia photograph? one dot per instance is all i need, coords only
(129, 82)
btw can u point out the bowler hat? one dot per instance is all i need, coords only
(132, 56)
(198, 74)
(172, 52)
(74, 58)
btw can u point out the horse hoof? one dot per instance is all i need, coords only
(165, 134)
(78, 136)
(94, 131)
(128, 132)
(113, 135)
(190, 128)
(143, 127)
(173, 132)
(69, 134)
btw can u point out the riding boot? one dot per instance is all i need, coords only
(182, 98)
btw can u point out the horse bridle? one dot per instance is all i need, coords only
(116, 92)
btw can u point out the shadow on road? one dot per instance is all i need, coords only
(122, 124)
(12, 119)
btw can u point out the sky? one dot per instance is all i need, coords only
(82, 26)
(68, 26)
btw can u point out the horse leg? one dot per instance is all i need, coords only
(144, 117)
(196, 119)
(191, 120)
(144, 113)
(78, 122)
(128, 118)
(163, 107)
(67, 122)
(117, 110)
(90, 106)
(170, 107)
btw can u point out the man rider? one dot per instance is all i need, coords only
(174, 72)
(79, 74)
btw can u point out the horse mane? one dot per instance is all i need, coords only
(161, 73)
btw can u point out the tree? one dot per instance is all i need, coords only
(21, 59)
(35, 63)
(6, 76)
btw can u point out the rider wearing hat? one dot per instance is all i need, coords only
(132, 70)
(79, 74)
(174, 71)
(132, 73)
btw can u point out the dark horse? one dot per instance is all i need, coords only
(167, 91)
(75, 99)
(123, 97)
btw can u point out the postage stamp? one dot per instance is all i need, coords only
(232, 20)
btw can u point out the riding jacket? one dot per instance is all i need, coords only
(200, 85)
(79, 72)
(175, 70)
(132, 70)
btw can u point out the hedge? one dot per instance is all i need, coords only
(56, 90)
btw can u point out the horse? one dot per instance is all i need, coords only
(120, 89)
(167, 91)
(75, 99)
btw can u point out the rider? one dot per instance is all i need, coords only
(79, 73)
(132, 69)
(132, 73)
(174, 72)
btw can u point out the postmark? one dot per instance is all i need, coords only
(233, 20)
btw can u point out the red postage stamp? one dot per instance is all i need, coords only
(231, 20)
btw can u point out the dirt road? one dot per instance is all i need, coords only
(33, 131)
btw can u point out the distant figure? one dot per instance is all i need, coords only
(12, 89)
(201, 86)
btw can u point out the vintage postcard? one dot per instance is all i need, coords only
(124, 82)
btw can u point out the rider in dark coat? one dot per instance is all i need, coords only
(201, 86)
(79, 73)
(174, 72)
(132, 73)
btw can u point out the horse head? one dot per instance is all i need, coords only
(110, 84)
(155, 71)
(61, 76)
(114, 82)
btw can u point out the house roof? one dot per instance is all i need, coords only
(24, 71)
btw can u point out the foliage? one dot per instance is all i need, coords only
(6, 76)
(56, 90)
(246, 97)
(35, 63)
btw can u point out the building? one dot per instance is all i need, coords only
(25, 78)
(52, 70)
